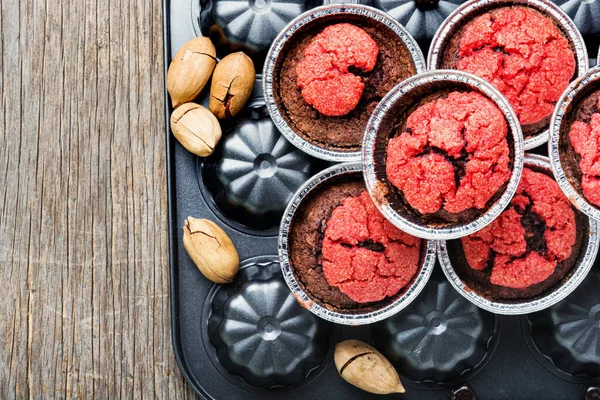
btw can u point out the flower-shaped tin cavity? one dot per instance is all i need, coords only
(440, 337)
(585, 14)
(568, 333)
(254, 171)
(261, 333)
(259, 169)
(421, 18)
(248, 25)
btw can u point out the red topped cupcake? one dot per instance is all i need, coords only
(528, 249)
(532, 256)
(341, 258)
(529, 239)
(345, 253)
(364, 255)
(451, 156)
(584, 136)
(529, 50)
(327, 71)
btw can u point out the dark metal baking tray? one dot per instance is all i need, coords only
(497, 355)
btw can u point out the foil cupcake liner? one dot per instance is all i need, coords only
(410, 292)
(274, 56)
(375, 150)
(583, 264)
(475, 7)
(577, 89)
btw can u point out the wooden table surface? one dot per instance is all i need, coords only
(84, 304)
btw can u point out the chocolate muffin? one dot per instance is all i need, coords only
(394, 63)
(578, 146)
(523, 53)
(345, 255)
(529, 249)
(449, 158)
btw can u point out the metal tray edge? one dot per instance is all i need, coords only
(172, 234)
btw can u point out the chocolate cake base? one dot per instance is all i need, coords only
(479, 280)
(345, 133)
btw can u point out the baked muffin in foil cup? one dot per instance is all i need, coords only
(335, 138)
(572, 123)
(303, 230)
(521, 72)
(455, 152)
(566, 276)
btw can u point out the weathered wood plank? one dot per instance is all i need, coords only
(84, 310)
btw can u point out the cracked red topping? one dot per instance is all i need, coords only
(364, 255)
(323, 72)
(462, 128)
(585, 139)
(523, 54)
(526, 242)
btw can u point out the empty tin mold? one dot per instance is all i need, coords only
(441, 338)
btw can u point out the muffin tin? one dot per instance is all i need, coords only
(511, 357)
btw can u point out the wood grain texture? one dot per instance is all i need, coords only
(84, 306)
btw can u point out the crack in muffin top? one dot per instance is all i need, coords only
(585, 139)
(364, 255)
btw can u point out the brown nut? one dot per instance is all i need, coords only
(196, 128)
(190, 69)
(211, 250)
(364, 367)
(232, 84)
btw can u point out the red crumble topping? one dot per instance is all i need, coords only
(364, 255)
(463, 126)
(516, 264)
(585, 139)
(523, 54)
(323, 73)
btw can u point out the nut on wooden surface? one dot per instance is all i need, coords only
(361, 365)
(211, 250)
(232, 84)
(196, 128)
(190, 70)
